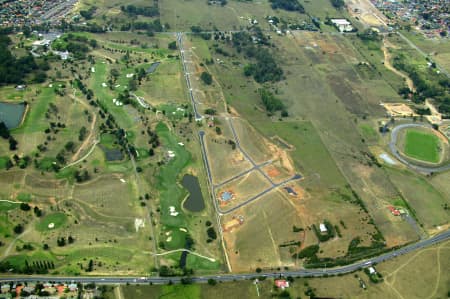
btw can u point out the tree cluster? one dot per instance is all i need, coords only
(88, 14)
(428, 83)
(270, 102)
(154, 26)
(290, 5)
(4, 133)
(147, 11)
(206, 78)
(338, 4)
(15, 70)
(266, 68)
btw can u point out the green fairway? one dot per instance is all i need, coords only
(6, 206)
(105, 95)
(35, 120)
(58, 219)
(3, 161)
(171, 195)
(422, 146)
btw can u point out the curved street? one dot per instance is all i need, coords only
(394, 150)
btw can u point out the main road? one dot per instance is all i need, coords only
(236, 276)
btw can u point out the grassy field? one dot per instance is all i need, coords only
(427, 202)
(437, 49)
(181, 15)
(422, 146)
(224, 161)
(411, 276)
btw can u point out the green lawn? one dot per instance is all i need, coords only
(422, 146)
(57, 218)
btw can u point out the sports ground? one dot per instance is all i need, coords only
(423, 146)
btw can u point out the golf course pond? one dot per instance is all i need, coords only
(11, 114)
(194, 202)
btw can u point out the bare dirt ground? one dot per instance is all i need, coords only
(367, 13)
(398, 109)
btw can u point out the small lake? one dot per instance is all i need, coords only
(152, 67)
(194, 202)
(112, 154)
(11, 114)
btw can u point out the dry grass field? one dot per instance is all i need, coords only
(259, 148)
(267, 224)
(326, 85)
(411, 276)
(225, 162)
(243, 188)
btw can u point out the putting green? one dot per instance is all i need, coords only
(422, 146)
(58, 220)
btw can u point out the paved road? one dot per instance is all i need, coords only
(242, 173)
(238, 144)
(232, 277)
(394, 150)
(257, 196)
(197, 115)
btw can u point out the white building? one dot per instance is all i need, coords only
(342, 24)
(323, 228)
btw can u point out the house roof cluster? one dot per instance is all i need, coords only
(431, 15)
(32, 289)
(25, 12)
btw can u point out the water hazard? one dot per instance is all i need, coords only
(195, 201)
(11, 114)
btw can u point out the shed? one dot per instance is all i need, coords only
(73, 287)
(323, 228)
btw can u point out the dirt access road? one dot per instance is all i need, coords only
(389, 66)
(89, 138)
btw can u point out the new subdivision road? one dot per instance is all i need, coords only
(232, 277)
(198, 116)
(256, 167)
(242, 174)
(394, 150)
